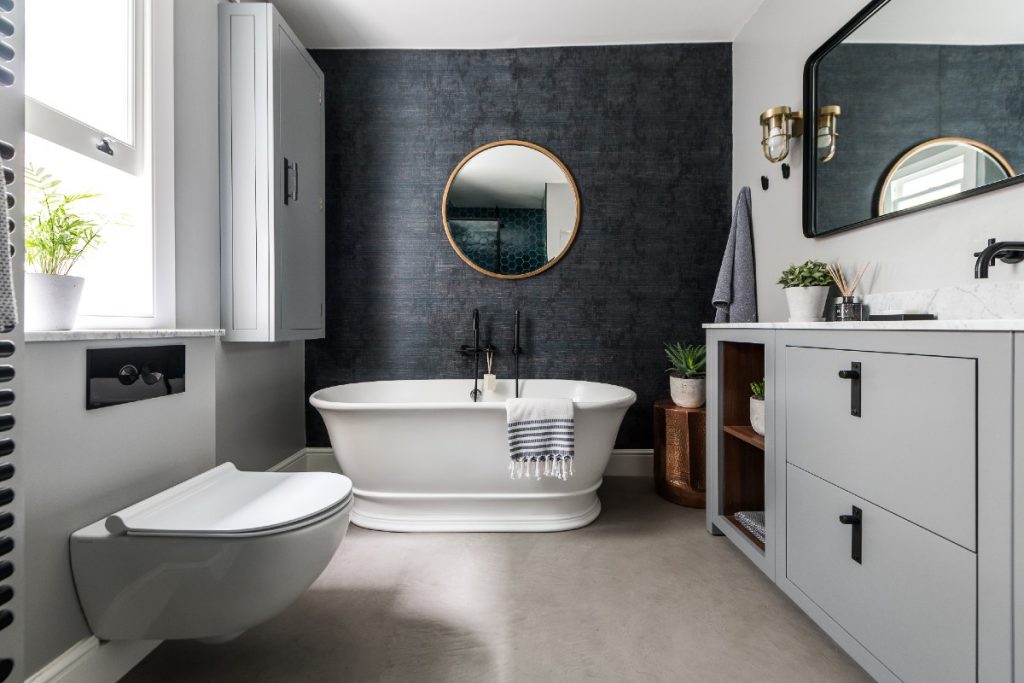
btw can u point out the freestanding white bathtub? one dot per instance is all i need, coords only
(423, 456)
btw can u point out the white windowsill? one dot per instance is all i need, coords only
(92, 335)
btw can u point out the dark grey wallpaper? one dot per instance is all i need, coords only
(897, 96)
(646, 133)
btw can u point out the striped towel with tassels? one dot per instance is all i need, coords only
(540, 437)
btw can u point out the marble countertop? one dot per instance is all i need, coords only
(978, 325)
(92, 335)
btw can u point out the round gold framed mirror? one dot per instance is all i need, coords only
(511, 209)
(939, 168)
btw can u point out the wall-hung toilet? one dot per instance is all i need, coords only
(210, 557)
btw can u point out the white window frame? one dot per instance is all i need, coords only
(150, 155)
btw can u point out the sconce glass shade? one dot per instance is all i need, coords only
(828, 117)
(778, 126)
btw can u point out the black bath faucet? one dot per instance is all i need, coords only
(516, 350)
(1007, 252)
(475, 350)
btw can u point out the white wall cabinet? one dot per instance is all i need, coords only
(889, 492)
(272, 179)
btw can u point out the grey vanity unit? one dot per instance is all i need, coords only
(894, 513)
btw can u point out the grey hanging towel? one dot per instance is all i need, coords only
(736, 292)
(8, 307)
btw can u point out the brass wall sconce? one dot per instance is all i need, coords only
(778, 126)
(828, 116)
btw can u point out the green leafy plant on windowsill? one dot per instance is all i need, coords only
(687, 361)
(808, 274)
(757, 389)
(57, 234)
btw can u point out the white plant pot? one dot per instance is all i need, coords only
(687, 392)
(51, 301)
(757, 414)
(806, 304)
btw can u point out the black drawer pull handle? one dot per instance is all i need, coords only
(6, 544)
(6, 593)
(6, 446)
(853, 520)
(6, 569)
(853, 374)
(6, 618)
(6, 522)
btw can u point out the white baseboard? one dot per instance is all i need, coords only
(94, 661)
(625, 462)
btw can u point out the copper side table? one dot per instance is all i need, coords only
(679, 453)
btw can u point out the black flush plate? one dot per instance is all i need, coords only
(135, 373)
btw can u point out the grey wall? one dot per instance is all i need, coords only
(259, 387)
(645, 131)
(930, 248)
(896, 96)
(87, 464)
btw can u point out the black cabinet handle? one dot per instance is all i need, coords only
(853, 520)
(853, 374)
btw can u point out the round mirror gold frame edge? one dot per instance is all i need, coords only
(451, 181)
(999, 159)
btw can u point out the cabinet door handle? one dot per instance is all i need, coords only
(854, 520)
(853, 374)
(296, 195)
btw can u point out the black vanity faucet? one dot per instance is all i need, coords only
(1007, 252)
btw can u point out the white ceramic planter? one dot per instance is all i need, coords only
(806, 304)
(757, 414)
(687, 392)
(51, 301)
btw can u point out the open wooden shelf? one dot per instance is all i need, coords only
(745, 532)
(746, 434)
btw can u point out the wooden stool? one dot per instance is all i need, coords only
(679, 453)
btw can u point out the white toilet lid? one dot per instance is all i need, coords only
(226, 502)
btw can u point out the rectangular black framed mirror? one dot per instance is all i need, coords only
(912, 104)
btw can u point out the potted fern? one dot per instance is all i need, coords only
(806, 287)
(686, 378)
(57, 236)
(757, 406)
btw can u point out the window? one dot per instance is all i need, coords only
(99, 119)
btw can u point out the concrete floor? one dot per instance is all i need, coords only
(643, 594)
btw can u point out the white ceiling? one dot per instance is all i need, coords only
(483, 24)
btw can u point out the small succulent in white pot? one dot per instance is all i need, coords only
(757, 406)
(806, 287)
(57, 236)
(686, 378)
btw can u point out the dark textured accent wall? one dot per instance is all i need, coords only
(646, 133)
(897, 96)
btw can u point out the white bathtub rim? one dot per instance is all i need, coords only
(418, 522)
(625, 401)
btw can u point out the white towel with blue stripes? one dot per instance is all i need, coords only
(541, 437)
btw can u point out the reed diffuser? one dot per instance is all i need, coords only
(847, 308)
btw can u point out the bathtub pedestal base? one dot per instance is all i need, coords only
(475, 512)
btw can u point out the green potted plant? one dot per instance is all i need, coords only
(757, 406)
(806, 287)
(686, 378)
(57, 236)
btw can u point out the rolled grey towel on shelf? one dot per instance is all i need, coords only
(8, 305)
(735, 297)
(541, 437)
